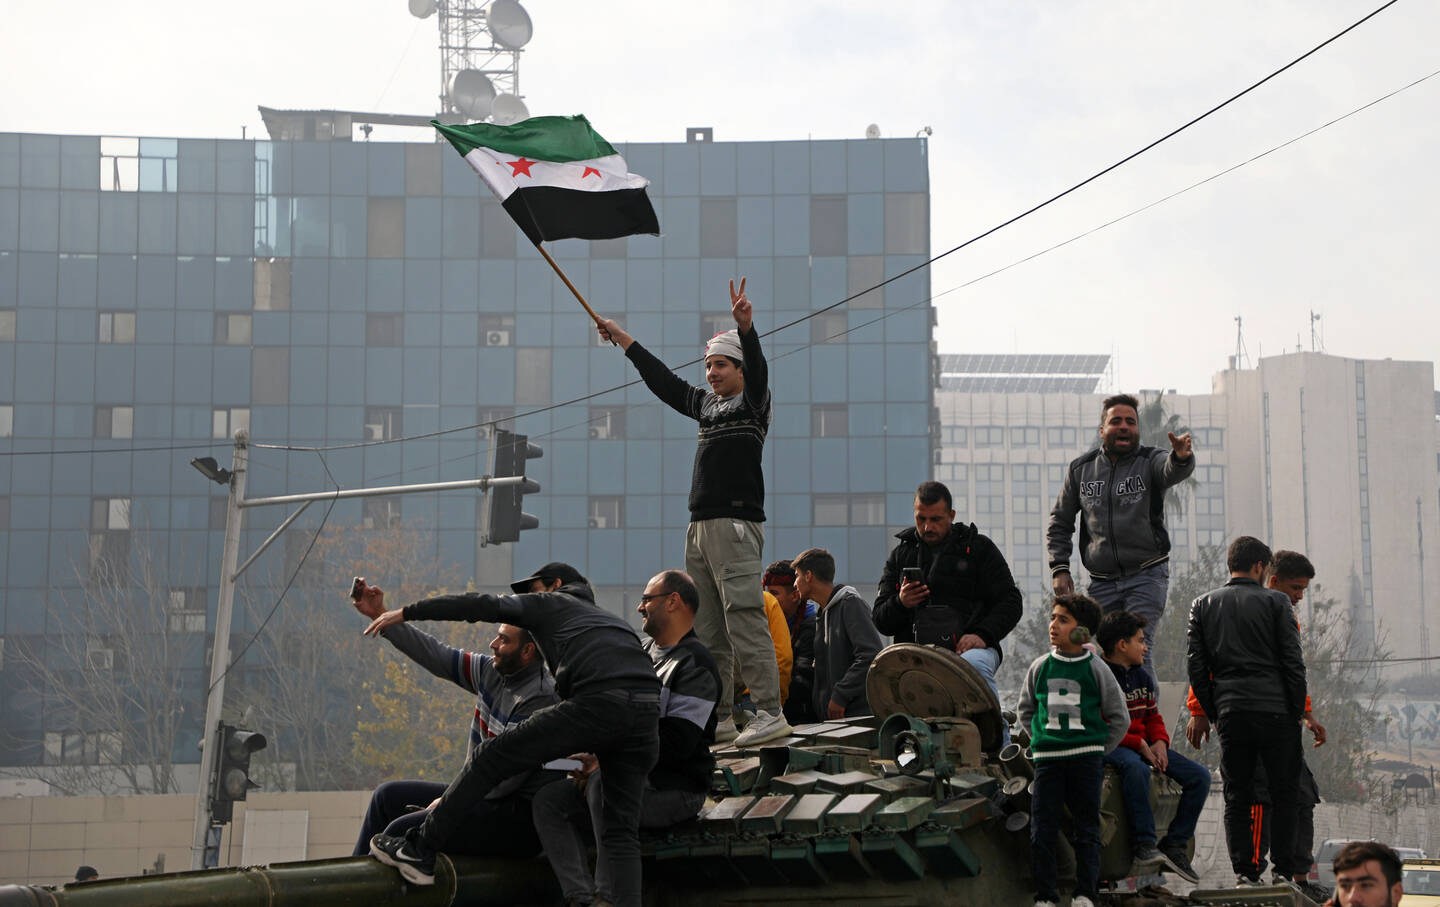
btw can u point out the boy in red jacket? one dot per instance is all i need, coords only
(1146, 746)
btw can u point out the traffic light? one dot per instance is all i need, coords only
(506, 519)
(231, 781)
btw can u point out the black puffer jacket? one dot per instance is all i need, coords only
(1244, 651)
(965, 571)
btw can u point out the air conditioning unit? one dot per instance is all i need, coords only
(600, 432)
(374, 431)
(598, 522)
(101, 659)
(497, 338)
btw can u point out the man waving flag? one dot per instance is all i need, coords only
(557, 177)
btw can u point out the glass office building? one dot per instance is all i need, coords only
(157, 293)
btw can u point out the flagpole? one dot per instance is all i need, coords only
(556, 266)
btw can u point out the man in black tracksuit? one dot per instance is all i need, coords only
(1247, 673)
(965, 599)
(1118, 491)
(610, 706)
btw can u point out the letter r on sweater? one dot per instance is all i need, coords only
(1063, 701)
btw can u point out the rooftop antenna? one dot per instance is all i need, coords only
(1316, 345)
(480, 43)
(1241, 357)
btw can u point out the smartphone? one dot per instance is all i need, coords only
(911, 575)
(357, 588)
(564, 765)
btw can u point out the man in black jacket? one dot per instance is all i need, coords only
(610, 706)
(962, 597)
(675, 790)
(1248, 675)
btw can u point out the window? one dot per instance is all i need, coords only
(829, 225)
(109, 513)
(848, 509)
(114, 421)
(1208, 438)
(272, 284)
(146, 165)
(989, 436)
(609, 248)
(1024, 436)
(956, 436)
(380, 513)
(219, 507)
(497, 330)
(1061, 436)
(4, 511)
(78, 748)
(224, 423)
(606, 512)
(906, 223)
(719, 231)
(232, 330)
(867, 510)
(383, 423)
(607, 422)
(7, 324)
(830, 509)
(186, 608)
(117, 327)
(489, 418)
(384, 329)
(990, 496)
(829, 420)
(532, 377)
(270, 375)
(829, 327)
(385, 228)
(7, 420)
(861, 273)
(710, 325)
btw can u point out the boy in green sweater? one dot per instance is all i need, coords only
(1076, 714)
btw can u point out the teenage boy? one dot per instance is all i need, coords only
(1146, 745)
(727, 509)
(1076, 714)
(846, 640)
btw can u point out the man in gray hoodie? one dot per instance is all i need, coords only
(1119, 492)
(846, 640)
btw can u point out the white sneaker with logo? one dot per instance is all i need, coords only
(763, 728)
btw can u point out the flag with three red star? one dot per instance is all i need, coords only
(557, 177)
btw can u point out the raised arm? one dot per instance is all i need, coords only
(757, 372)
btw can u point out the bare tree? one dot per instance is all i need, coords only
(110, 679)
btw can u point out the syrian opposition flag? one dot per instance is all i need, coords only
(557, 177)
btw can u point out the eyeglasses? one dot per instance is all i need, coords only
(646, 599)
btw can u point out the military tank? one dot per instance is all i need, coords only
(919, 804)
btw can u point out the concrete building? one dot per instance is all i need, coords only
(1335, 457)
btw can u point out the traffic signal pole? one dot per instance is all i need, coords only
(231, 570)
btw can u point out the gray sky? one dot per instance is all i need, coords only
(1026, 97)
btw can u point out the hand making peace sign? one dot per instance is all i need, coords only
(740, 306)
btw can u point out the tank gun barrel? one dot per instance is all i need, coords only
(318, 883)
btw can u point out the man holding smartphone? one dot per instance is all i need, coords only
(947, 585)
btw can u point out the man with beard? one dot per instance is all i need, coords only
(1119, 491)
(509, 685)
(1367, 874)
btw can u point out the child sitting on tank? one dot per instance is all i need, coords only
(1146, 748)
(1076, 714)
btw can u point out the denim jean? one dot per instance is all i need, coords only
(1142, 594)
(561, 814)
(1194, 781)
(499, 827)
(987, 662)
(1245, 739)
(619, 726)
(1072, 783)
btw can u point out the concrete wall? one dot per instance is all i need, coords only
(44, 839)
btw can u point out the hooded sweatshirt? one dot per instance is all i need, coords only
(846, 641)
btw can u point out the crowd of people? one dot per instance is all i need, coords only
(580, 725)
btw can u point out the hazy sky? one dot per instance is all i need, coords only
(1026, 97)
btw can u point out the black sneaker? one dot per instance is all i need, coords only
(1146, 857)
(1315, 892)
(1180, 863)
(415, 862)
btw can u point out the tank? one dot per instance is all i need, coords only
(918, 805)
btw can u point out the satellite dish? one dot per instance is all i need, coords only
(472, 93)
(422, 9)
(508, 110)
(509, 24)
(872, 131)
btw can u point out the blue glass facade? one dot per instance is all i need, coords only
(158, 292)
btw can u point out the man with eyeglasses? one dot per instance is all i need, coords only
(675, 789)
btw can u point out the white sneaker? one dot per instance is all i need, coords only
(1045, 904)
(725, 730)
(763, 728)
(1081, 901)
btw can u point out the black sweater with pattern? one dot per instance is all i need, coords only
(727, 480)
